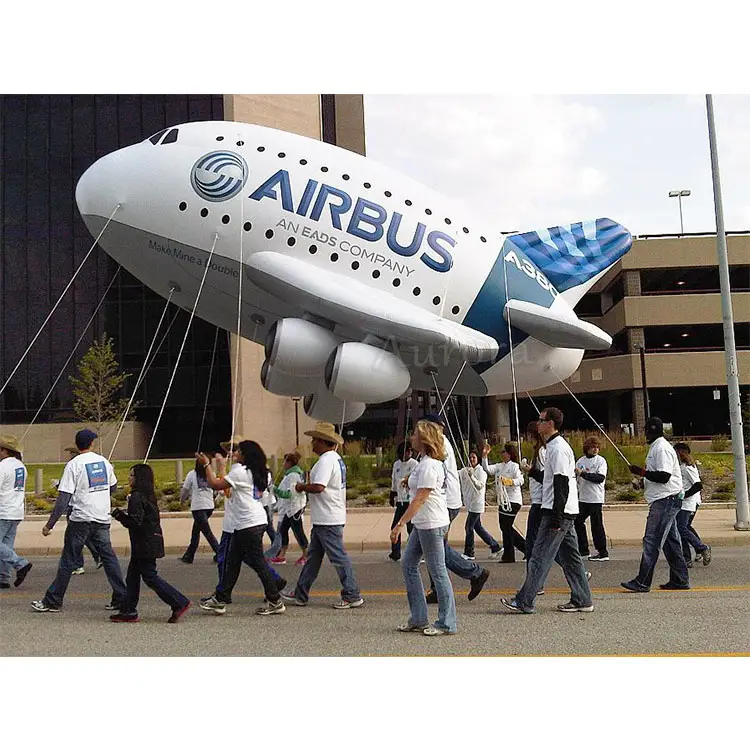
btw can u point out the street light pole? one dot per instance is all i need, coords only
(730, 353)
(680, 194)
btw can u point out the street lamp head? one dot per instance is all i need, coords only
(684, 193)
(674, 193)
(679, 193)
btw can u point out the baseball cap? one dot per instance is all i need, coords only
(436, 418)
(84, 438)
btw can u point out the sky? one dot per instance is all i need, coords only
(533, 161)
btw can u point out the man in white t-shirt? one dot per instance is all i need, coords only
(591, 470)
(12, 494)
(662, 481)
(86, 486)
(326, 498)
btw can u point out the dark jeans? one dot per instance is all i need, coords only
(688, 536)
(246, 545)
(222, 558)
(76, 534)
(328, 540)
(295, 524)
(145, 568)
(474, 523)
(398, 511)
(593, 511)
(200, 526)
(512, 540)
(555, 545)
(532, 527)
(661, 532)
(457, 565)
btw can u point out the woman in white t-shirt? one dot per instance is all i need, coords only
(428, 512)
(201, 496)
(245, 519)
(691, 486)
(291, 505)
(508, 481)
(473, 481)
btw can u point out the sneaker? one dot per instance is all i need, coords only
(706, 555)
(271, 608)
(588, 575)
(599, 557)
(468, 557)
(412, 628)
(541, 592)
(291, 598)
(477, 584)
(40, 606)
(422, 561)
(186, 560)
(570, 607)
(698, 556)
(514, 606)
(78, 572)
(343, 604)
(635, 587)
(431, 630)
(431, 597)
(278, 560)
(177, 613)
(670, 586)
(393, 559)
(212, 604)
(24, 571)
(112, 607)
(120, 617)
(99, 564)
(495, 555)
(301, 561)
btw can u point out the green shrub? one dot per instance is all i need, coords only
(219, 502)
(376, 499)
(174, 505)
(719, 443)
(42, 504)
(352, 493)
(726, 488)
(629, 496)
(169, 490)
(383, 482)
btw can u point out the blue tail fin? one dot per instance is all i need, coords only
(569, 256)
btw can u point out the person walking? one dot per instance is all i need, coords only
(87, 484)
(591, 471)
(556, 538)
(508, 480)
(245, 518)
(399, 496)
(428, 511)
(201, 496)
(291, 507)
(326, 493)
(146, 547)
(473, 479)
(12, 503)
(535, 470)
(662, 480)
(691, 486)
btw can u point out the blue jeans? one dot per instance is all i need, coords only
(474, 523)
(222, 559)
(145, 568)
(661, 532)
(555, 545)
(457, 565)
(8, 557)
(430, 543)
(532, 528)
(687, 534)
(76, 534)
(328, 540)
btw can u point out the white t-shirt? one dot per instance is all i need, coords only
(662, 457)
(510, 470)
(689, 477)
(328, 508)
(432, 474)
(12, 489)
(244, 507)
(268, 498)
(401, 470)
(473, 486)
(201, 498)
(591, 492)
(452, 487)
(559, 460)
(535, 488)
(88, 477)
(296, 500)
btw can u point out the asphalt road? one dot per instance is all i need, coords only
(712, 618)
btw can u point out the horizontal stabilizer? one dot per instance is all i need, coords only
(567, 332)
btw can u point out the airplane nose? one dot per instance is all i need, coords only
(100, 188)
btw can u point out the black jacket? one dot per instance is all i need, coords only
(142, 522)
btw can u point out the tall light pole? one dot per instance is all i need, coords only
(730, 353)
(680, 194)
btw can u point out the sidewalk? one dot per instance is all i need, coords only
(368, 529)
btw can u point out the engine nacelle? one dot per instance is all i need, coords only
(284, 384)
(299, 347)
(324, 406)
(360, 372)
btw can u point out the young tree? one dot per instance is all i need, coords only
(97, 386)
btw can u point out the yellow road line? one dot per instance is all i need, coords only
(712, 654)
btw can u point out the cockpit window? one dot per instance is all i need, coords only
(155, 138)
(171, 137)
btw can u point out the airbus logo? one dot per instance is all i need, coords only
(219, 176)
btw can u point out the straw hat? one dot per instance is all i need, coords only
(326, 431)
(237, 440)
(10, 442)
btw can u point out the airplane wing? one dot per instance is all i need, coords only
(355, 305)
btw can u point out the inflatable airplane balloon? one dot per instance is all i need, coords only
(361, 282)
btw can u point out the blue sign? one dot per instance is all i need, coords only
(97, 475)
(20, 483)
(342, 466)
